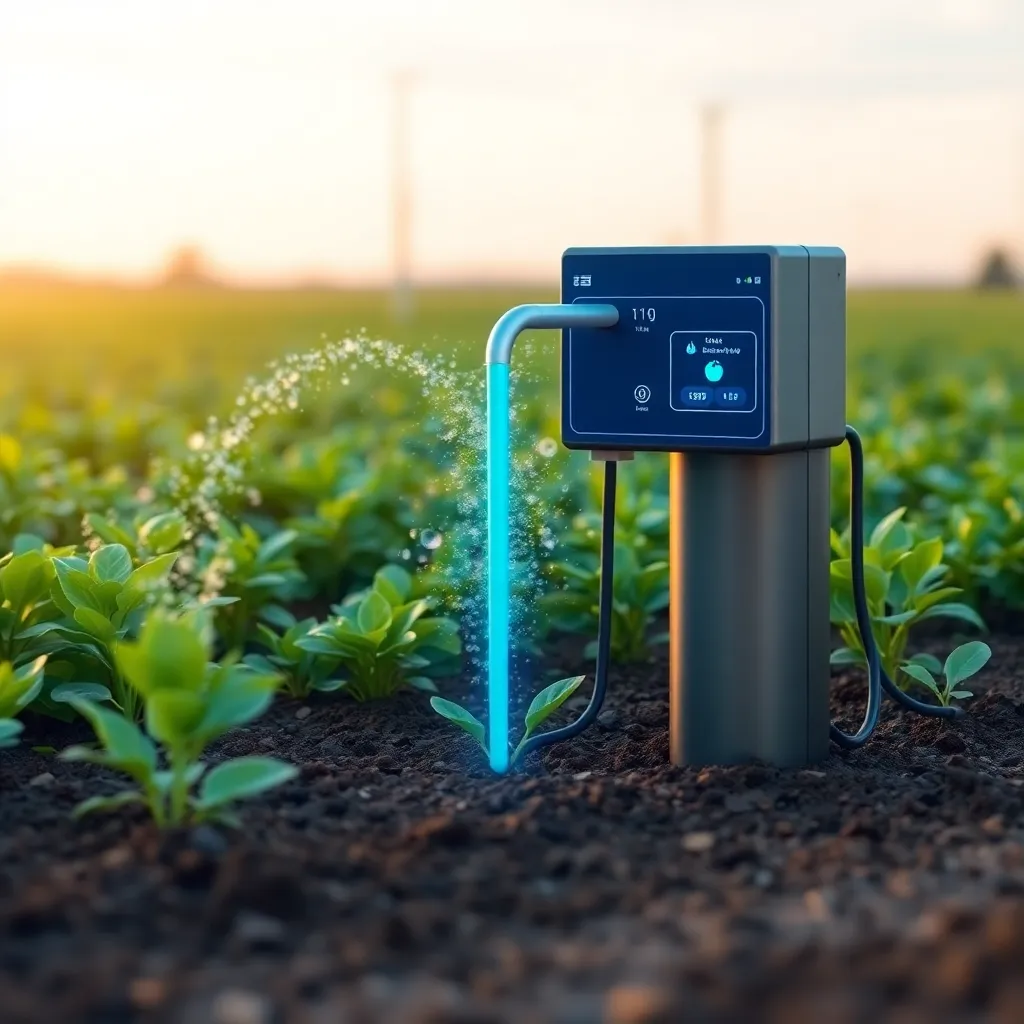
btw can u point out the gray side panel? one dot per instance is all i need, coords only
(827, 311)
(819, 630)
(789, 343)
(741, 685)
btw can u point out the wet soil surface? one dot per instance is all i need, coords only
(396, 881)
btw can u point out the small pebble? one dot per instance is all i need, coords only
(638, 1004)
(994, 826)
(258, 931)
(208, 840)
(580, 776)
(237, 1006)
(698, 842)
(609, 719)
(147, 993)
(303, 713)
(42, 780)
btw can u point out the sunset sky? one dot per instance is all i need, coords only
(261, 131)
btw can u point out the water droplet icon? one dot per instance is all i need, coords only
(691, 348)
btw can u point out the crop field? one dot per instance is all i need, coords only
(241, 536)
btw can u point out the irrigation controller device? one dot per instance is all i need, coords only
(733, 360)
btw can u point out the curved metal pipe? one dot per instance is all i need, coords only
(540, 316)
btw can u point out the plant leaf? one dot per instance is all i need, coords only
(921, 674)
(10, 730)
(125, 746)
(919, 560)
(242, 777)
(953, 610)
(96, 624)
(884, 528)
(151, 574)
(107, 803)
(110, 564)
(374, 613)
(928, 661)
(549, 700)
(845, 656)
(68, 693)
(422, 683)
(460, 717)
(967, 660)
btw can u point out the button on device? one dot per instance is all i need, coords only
(696, 397)
(730, 398)
(642, 394)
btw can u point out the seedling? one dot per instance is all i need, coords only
(905, 585)
(302, 670)
(964, 662)
(188, 704)
(382, 641)
(18, 688)
(545, 704)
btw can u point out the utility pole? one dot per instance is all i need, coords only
(401, 197)
(711, 173)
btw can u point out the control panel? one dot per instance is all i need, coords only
(708, 343)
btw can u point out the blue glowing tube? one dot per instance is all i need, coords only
(499, 352)
(498, 583)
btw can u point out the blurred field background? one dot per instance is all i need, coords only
(165, 233)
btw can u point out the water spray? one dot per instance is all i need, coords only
(733, 361)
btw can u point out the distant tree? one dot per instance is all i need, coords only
(998, 271)
(187, 267)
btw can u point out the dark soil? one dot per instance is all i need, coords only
(396, 881)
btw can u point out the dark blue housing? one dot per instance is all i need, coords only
(687, 365)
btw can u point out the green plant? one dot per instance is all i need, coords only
(303, 671)
(102, 601)
(639, 592)
(962, 663)
(259, 574)
(18, 688)
(545, 704)
(189, 702)
(383, 641)
(904, 582)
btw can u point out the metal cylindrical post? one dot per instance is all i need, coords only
(749, 622)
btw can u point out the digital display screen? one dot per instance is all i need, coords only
(713, 370)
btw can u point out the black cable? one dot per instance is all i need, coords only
(604, 625)
(878, 678)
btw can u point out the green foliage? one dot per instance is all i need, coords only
(303, 671)
(188, 703)
(99, 602)
(541, 708)
(256, 575)
(147, 535)
(905, 581)
(640, 587)
(18, 688)
(638, 594)
(962, 663)
(381, 640)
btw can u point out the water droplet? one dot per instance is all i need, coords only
(431, 539)
(547, 446)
